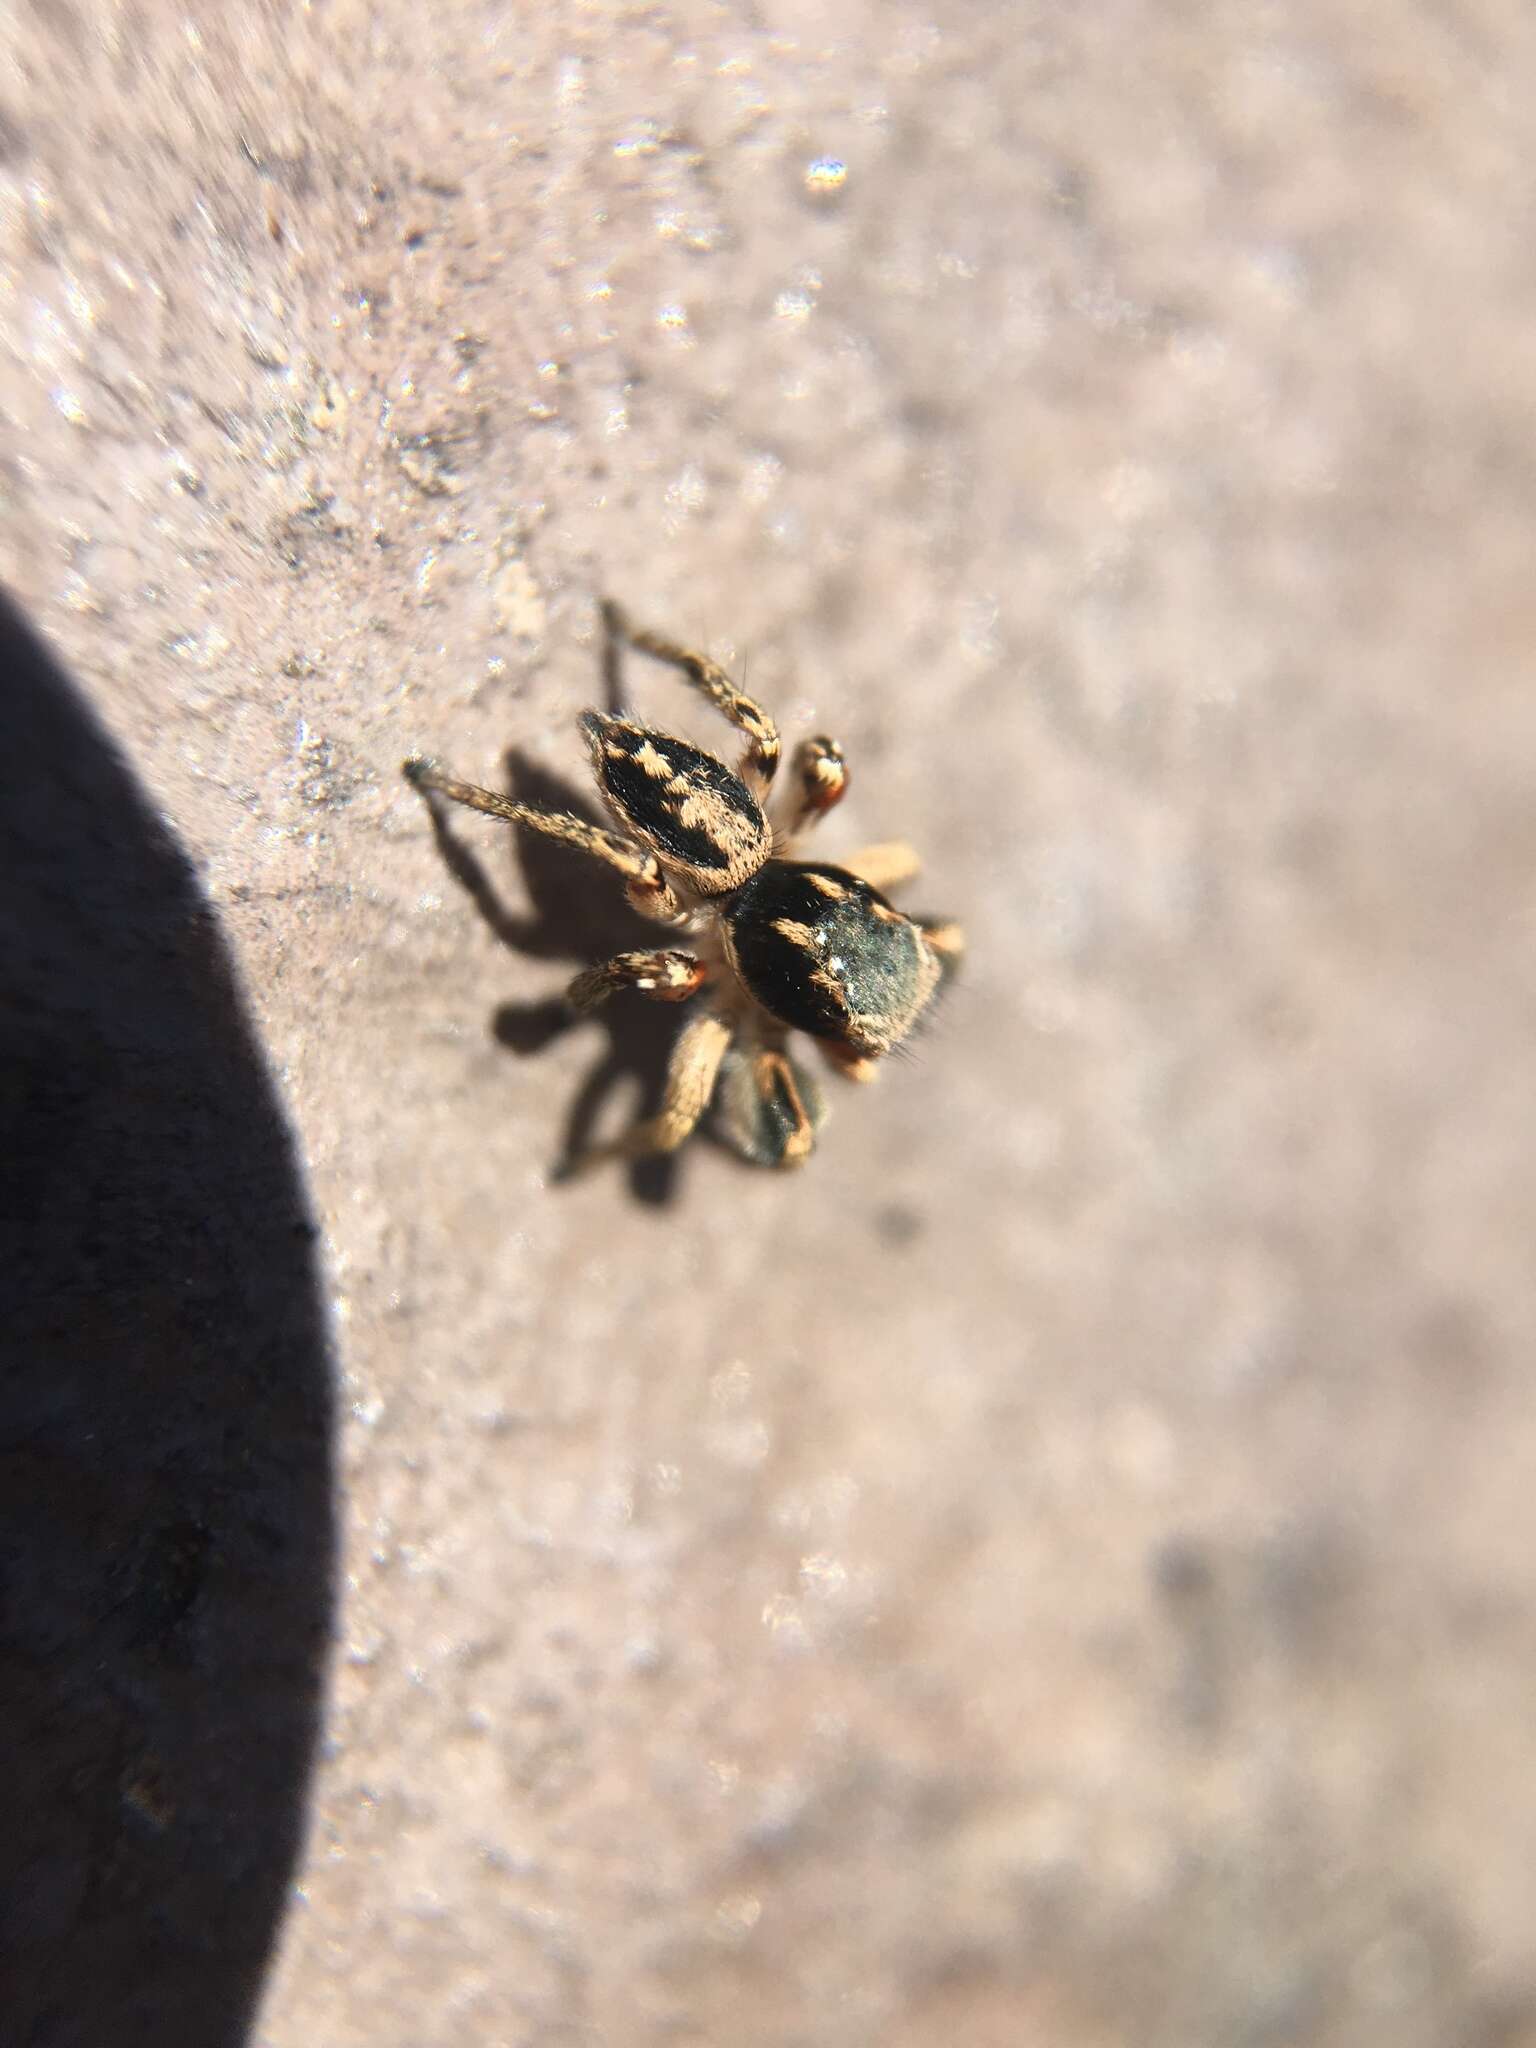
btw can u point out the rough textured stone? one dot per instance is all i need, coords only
(1059, 1569)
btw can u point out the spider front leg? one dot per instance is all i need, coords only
(646, 885)
(761, 760)
(666, 977)
(691, 1079)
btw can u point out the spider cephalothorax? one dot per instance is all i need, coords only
(776, 944)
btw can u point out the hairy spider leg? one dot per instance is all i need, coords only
(885, 866)
(666, 977)
(647, 886)
(761, 760)
(690, 1084)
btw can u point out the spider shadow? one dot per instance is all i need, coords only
(577, 914)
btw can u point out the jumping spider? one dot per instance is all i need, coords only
(778, 944)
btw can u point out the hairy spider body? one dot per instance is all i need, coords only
(776, 944)
(694, 814)
(822, 951)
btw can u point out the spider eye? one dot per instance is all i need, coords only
(823, 951)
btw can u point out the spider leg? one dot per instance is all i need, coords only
(690, 1083)
(769, 1107)
(946, 938)
(666, 977)
(762, 755)
(885, 866)
(842, 1059)
(819, 778)
(647, 886)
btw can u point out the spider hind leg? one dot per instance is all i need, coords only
(691, 1077)
(768, 1107)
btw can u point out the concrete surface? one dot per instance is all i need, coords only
(1058, 1571)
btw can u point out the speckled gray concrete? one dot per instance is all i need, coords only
(1060, 1570)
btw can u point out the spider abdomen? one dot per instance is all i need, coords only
(824, 952)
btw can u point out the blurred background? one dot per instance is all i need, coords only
(1060, 1568)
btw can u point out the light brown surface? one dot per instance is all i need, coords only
(1060, 1568)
